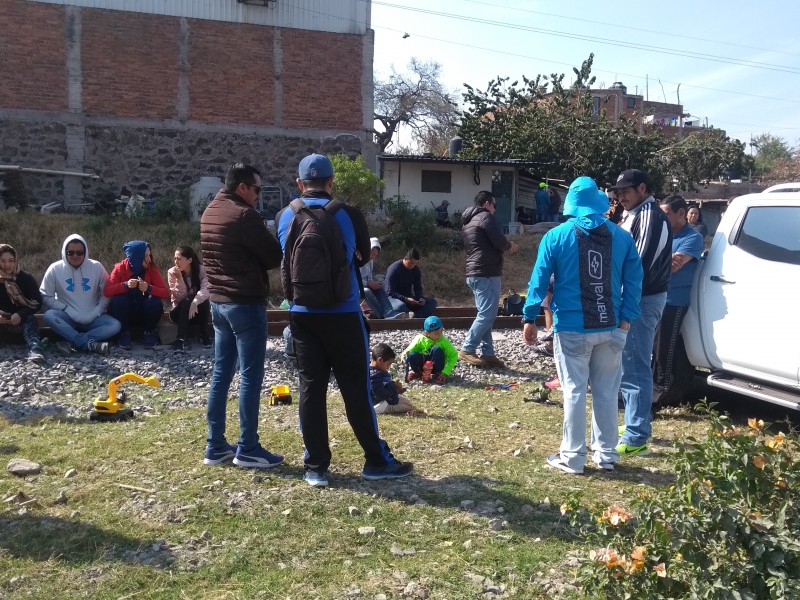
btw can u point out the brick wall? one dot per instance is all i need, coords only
(129, 64)
(232, 73)
(321, 81)
(32, 56)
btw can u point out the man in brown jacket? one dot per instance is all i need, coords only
(238, 250)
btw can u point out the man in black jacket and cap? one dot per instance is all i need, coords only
(485, 244)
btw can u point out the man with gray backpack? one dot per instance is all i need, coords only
(324, 243)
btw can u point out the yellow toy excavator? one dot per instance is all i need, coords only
(113, 408)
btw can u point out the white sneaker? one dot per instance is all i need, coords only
(554, 460)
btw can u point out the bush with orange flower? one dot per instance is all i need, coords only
(729, 527)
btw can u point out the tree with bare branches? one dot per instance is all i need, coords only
(418, 100)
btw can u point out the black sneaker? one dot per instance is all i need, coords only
(65, 348)
(178, 345)
(207, 343)
(393, 470)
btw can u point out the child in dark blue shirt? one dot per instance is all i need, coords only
(386, 396)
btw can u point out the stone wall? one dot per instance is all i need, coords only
(149, 160)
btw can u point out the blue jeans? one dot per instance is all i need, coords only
(581, 359)
(240, 336)
(487, 298)
(80, 334)
(416, 360)
(637, 372)
(378, 301)
(134, 308)
(420, 312)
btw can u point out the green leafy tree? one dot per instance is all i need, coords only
(355, 182)
(770, 150)
(558, 126)
(700, 156)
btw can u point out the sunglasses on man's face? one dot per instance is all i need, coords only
(75, 253)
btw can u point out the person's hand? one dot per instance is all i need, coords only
(513, 248)
(530, 333)
(143, 285)
(421, 301)
(15, 319)
(133, 283)
(440, 379)
(192, 309)
(398, 386)
(374, 285)
(413, 302)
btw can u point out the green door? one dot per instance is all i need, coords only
(502, 187)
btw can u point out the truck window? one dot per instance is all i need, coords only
(772, 233)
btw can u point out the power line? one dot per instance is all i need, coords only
(627, 28)
(619, 43)
(484, 49)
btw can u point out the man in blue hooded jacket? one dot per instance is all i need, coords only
(596, 295)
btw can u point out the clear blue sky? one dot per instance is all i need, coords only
(737, 63)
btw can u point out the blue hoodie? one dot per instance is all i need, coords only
(589, 294)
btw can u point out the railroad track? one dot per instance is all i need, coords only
(452, 318)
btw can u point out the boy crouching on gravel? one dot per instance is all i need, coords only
(430, 346)
(386, 396)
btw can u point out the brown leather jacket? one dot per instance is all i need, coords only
(238, 250)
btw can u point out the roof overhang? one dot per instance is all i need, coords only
(504, 162)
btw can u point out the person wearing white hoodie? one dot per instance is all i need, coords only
(72, 294)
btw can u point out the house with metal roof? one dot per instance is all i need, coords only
(426, 181)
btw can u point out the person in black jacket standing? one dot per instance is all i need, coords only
(485, 244)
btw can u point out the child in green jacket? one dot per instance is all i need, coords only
(430, 345)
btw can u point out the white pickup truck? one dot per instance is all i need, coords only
(743, 325)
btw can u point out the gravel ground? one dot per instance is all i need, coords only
(66, 387)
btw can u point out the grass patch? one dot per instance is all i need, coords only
(224, 532)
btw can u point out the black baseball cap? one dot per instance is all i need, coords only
(631, 178)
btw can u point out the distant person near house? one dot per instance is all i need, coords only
(404, 286)
(442, 214)
(652, 234)
(72, 294)
(484, 244)
(555, 205)
(238, 251)
(687, 247)
(542, 198)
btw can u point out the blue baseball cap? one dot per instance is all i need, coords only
(432, 323)
(583, 199)
(315, 166)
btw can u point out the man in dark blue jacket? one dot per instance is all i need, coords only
(485, 244)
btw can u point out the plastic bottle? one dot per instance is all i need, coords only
(427, 371)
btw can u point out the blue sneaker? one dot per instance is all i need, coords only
(215, 456)
(316, 479)
(393, 470)
(125, 340)
(257, 458)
